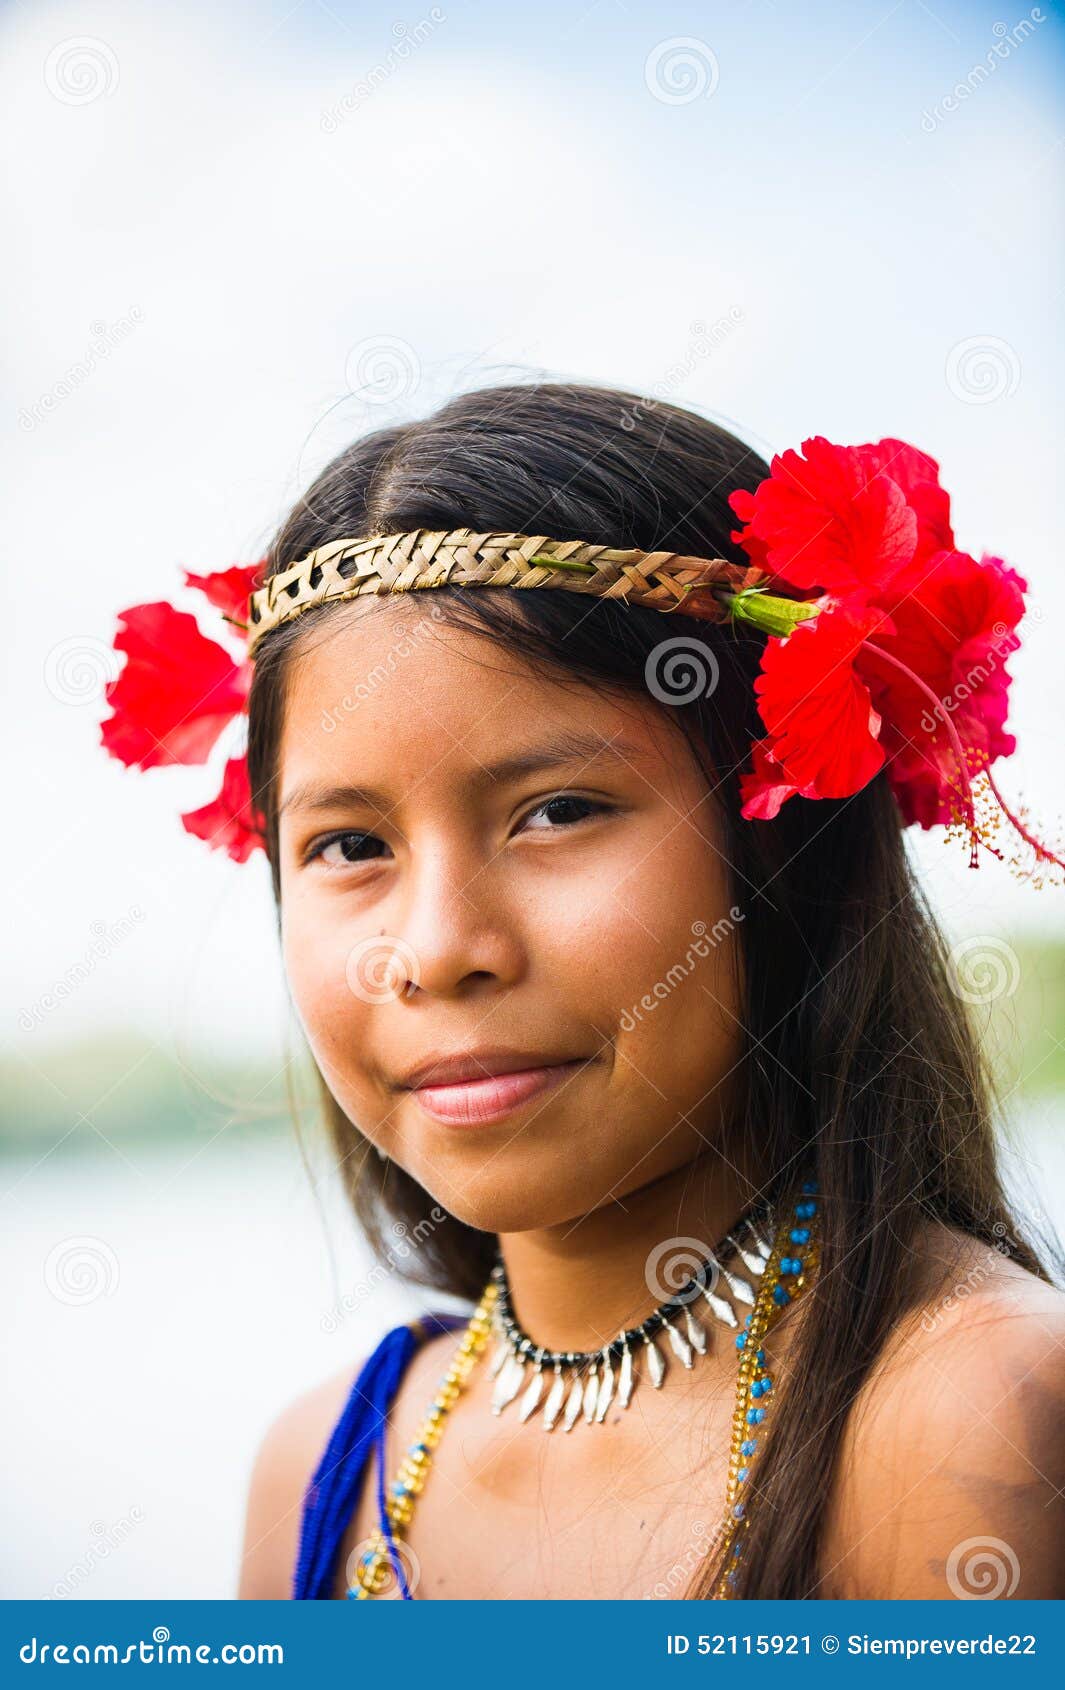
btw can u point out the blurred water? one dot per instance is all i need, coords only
(148, 1359)
(162, 1310)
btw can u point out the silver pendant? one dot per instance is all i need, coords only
(764, 1248)
(606, 1389)
(626, 1380)
(741, 1290)
(573, 1406)
(554, 1399)
(530, 1402)
(508, 1384)
(588, 1385)
(591, 1396)
(696, 1332)
(656, 1365)
(680, 1345)
(720, 1308)
(753, 1262)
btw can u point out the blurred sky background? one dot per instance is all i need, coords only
(239, 237)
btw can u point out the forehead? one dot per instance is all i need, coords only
(389, 693)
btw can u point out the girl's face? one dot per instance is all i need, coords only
(513, 873)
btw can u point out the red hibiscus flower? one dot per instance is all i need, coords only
(954, 632)
(828, 521)
(229, 821)
(917, 477)
(176, 693)
(228, 589)
(823, 731)
(903, 667)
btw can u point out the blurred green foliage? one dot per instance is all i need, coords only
(69, 1098)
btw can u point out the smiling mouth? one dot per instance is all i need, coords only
(480, 1102)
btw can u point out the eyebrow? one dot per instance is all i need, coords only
(567, 747)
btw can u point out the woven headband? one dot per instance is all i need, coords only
(404, 563)
(885, 645)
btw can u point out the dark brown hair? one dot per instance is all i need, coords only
(859, 1058)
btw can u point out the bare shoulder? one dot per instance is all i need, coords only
(286, 1458)
(952, 1464)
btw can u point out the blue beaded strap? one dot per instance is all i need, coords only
(383, 1521)
(333, 1491)
(761, 1385)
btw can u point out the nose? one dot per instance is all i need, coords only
(457, 932)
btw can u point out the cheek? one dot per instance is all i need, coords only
(335, 984)
(674, 981)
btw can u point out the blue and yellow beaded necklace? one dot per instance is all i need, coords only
(786, 1269)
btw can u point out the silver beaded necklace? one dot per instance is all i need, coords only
(586, 1382)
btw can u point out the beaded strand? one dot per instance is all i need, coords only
(373, 1570)
(754, 1382)
(793, 1259)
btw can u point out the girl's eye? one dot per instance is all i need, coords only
(561, 810)
(343, 849)
(347, 850)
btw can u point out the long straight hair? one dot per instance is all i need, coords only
(859, 1058)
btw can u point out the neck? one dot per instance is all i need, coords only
(577, 1285)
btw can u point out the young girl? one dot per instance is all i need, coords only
(596, 912)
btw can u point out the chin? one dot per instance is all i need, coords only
(492, 1202)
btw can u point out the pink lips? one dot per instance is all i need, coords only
(473, 1103)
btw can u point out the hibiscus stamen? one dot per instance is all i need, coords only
(968, 805)
(1043, 854)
